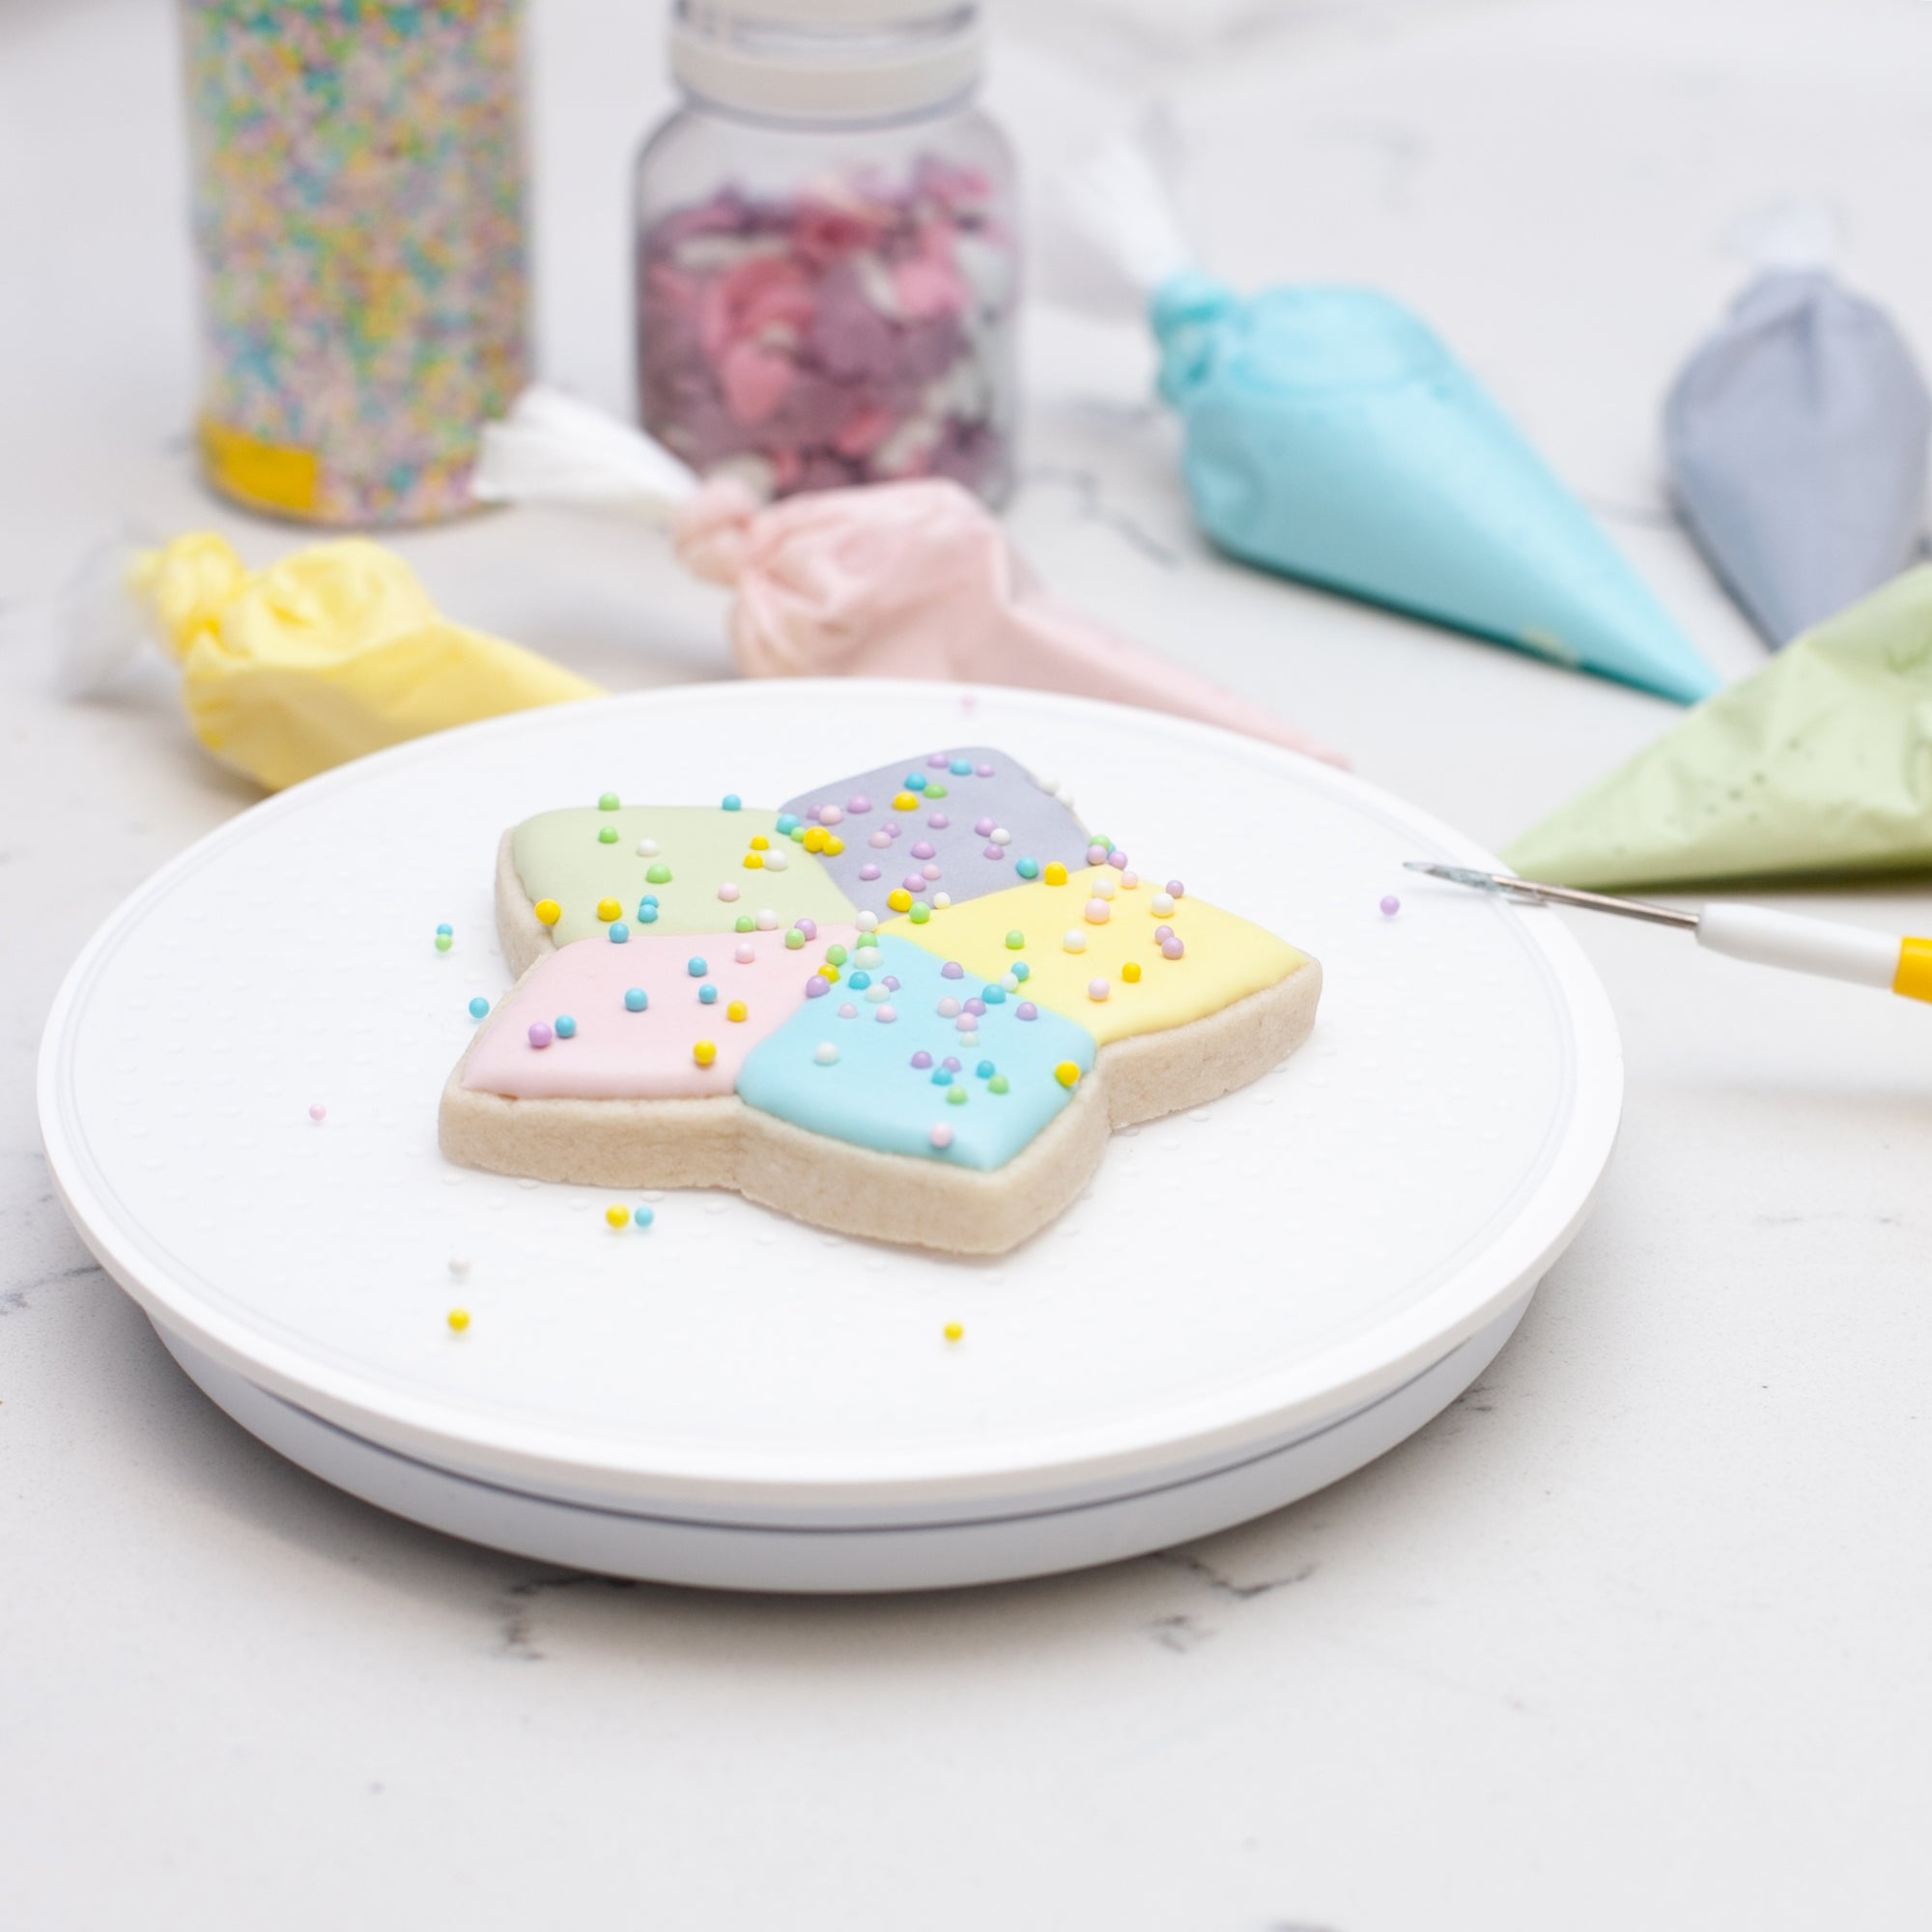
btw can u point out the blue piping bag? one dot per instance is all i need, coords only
(1332, 436)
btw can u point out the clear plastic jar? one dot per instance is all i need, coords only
(827, 249)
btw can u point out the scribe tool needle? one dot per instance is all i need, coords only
(1767, 938)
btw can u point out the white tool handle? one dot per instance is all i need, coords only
(1801, 944)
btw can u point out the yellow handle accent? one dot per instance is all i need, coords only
(1915, 969)
(265, 475)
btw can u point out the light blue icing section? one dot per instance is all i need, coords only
(1332, 436)
(874, 1097)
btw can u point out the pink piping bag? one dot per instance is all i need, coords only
(898, 579)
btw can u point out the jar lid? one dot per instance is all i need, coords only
(827, 60)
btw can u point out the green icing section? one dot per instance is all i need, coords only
(560, 856)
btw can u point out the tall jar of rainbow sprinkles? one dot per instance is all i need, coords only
(826, 256)
(358, 217)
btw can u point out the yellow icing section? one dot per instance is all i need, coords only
(1225, 958)
(1915, 969)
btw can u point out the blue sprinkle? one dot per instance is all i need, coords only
(619, 932)
(446, 931)
(1021, 970)
(695, 966)
(1027, 869)
(914, 781)
(566, 1027)
(786, 825)
(707, 995)
(732, 802)
(941, 1077)
(636, 1000)
(960, 768)
(994, 996)
(647, 914)
(859, 982)
(986, 1069)
(479, 1006)
(645, 1216)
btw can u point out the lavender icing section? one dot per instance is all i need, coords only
(994, 791)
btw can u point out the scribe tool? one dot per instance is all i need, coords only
(1767, 938)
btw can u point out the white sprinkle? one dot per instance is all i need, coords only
(867, 958)
(878, 991)
(999, 835)
(1011, 981)
(941, 901)
(1103, 885)
(647, 848)
(868, 922)
(458, 1263)
(826, 1054)
(767, 920)
(1073, 940)
(775, 861)
(1161, 904)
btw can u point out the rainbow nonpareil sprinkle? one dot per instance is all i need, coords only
(359, 225)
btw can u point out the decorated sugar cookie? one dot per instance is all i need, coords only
(910, 1005)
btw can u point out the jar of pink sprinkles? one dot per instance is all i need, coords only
(826, 250)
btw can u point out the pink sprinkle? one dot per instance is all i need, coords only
(745, 954)
(858, 802)
(727, 892)
(891, 984)
(809, 927)
(1026, 1010)
(892, 828)
(815, 988)
(1130, 879)
(921, 1060)
(930, 871)
(992, 852)
(975, 1007)
(884, 1016)
(1096, 855)
(1162, 934)
(1176, 888)
(1391, 906)
(914, 881)
(939, 760)
(1172, 947)
(880, 840)
(848, 1011)
(540, 1035)
(939, 821)
(982, 826)
(318, 1112)
(947, 1008)
(868, 871)
(924, 849)
(951, 1064)
(965, 1023)
(985, 771)
(941, 1136)
(1118, 860)
(829, 815)
(953, 970)
(1097, 989)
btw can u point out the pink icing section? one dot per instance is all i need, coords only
(618, 1054)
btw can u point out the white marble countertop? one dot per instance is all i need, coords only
(1634, 1635)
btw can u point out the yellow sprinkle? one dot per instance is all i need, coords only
(735, 1011)
(459, 1318)
(1131, 971)
(619, 1217)
(954, 1333)
(1055, 874)
(760, 843)
(608, 910)
(814, 839)
(704, 1052)
(1067, 1073)
(833, 845)
(899, 899)
(753, 863)
(905, 802)
(549, 912)
(829, 972)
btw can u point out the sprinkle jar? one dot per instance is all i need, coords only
(358, 223)
(826, 249)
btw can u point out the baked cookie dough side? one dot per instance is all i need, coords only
(719, 1142)
(523, 936)
(1154, 1073)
